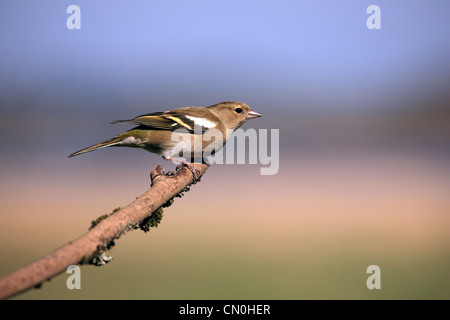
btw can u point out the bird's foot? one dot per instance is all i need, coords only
(191, 168)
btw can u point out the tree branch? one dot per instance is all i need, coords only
(90, 247)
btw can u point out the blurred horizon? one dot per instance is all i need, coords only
(364, 145)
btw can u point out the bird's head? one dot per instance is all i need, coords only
(233, 113)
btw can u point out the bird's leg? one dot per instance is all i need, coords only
(185, 164)
(190, 167)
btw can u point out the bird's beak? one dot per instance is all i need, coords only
(253, 115)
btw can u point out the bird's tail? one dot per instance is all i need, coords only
(104, 144)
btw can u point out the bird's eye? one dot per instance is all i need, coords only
(238, 110)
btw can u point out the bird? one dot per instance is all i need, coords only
(154, 132)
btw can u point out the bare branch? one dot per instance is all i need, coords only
(90, 247)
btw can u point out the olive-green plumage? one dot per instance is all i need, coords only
(100, 145)
(154, 131)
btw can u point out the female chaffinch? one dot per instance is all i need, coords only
(154, 131)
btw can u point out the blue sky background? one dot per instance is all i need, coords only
(364, 145)
(279, 56)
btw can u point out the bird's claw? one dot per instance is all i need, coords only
(191, 168)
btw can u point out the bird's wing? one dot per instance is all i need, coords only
(184, 118)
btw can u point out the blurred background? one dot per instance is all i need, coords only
(363, 116)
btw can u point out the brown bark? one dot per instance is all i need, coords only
(90, 247)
